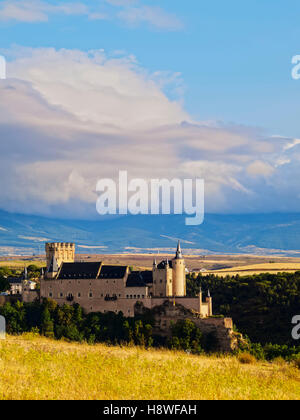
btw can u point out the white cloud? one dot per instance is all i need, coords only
(122, 2)
(131, 12)
(259, 168)
(37, 10)
(152, 15)
(33, 238)
(68, 118)
(134, 13)
(292, 144)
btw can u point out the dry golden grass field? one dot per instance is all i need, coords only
(257, 269)
(21, 263)
(33, 367)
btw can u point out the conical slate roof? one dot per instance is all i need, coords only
(178, 252)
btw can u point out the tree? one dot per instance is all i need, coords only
(33, 271)
(4, 284)
(47, 327)
(186, 336)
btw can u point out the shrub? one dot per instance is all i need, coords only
(279, 361)
(297, 361)
(246, 358)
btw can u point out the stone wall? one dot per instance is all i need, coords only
(220, 328)
(9, 298)
(30, 295)
(109, 295)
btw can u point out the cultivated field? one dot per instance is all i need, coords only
(21, 263)
(213, 264)
(33, 367)
(257, 269)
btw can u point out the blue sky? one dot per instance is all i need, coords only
(207, 83)
(234, 57)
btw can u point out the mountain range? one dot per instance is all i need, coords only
(265, 234)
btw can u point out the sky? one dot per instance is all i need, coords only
(158, 88)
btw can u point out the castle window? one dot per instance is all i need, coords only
(90, 294)
(101, 294)
(130, 296)
(143, 296)
(50, 294)
(134, 296)
(138, 296)
(160, 281)
(61, 294)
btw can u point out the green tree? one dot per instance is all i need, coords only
(4, 284)
(47, 327)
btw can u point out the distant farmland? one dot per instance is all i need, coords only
(220, 265)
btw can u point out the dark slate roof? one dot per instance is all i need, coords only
(139, 279)
(79, 270)
(112, 272)
(162, 265)
(14, 280)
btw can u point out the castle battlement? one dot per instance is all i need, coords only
(58, 253)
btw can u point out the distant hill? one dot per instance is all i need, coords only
(256, 234)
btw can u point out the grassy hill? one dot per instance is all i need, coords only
(33, 367)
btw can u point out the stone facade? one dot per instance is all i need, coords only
(63, 252)
(102, 288)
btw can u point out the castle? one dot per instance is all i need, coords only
(105, 288)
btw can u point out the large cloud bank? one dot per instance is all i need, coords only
(68, 118)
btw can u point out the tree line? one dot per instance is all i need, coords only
(70, 322)
(262, 306)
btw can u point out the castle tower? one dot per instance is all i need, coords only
(209, 303)
(162, 279)
(178, 268)
(62, 252)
